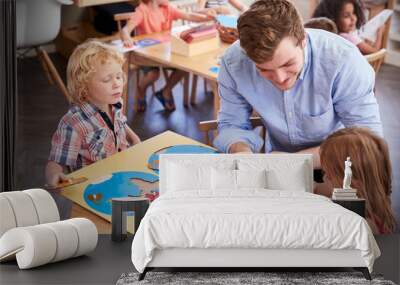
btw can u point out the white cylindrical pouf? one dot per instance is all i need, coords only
(37, 245)
(67, 239)
(87, 235)
(7, 217)
(45, 205)
(23, 208)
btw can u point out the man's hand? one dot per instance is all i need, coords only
(240, 147)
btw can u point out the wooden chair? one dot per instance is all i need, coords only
(376, 59)
(374, 10)
(38, 24)
(209, 128)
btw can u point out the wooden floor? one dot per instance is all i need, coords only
(41, 106)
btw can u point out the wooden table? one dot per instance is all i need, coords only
(122, 174)
(199, 65)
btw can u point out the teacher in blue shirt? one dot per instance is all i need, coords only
(304, 84)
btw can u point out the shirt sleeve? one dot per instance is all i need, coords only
(234, 116)
(137, 17)
(65, 145)
(353, 93)
(175, 13)
(354, 38)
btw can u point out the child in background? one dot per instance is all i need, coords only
(94, 127)
(371, 172)
(321, 23)
(153, 16)
(216, 7)
(348, 16)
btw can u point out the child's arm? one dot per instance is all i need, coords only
(129, 27)
(131, 136)
(238, 5)
(367, 47)
(196, 17)
(55, 174)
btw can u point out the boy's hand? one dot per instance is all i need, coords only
(58, 178)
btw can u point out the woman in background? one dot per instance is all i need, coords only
(371, 172)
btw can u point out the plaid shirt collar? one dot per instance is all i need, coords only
(90, 109)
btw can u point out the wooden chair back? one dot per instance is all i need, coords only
(376, 59)
(122, 17)
(376, 9)
(209, 128)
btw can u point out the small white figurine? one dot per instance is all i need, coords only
(347, 174)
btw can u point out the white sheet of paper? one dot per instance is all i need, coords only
(370, 29)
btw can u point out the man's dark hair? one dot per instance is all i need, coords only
(265, 24)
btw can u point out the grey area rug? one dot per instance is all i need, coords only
(230, 278)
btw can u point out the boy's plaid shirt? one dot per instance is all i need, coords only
(83, 137)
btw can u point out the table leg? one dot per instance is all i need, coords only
(194, 90)
(186, 80)
(214, 89)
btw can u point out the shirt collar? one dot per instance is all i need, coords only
(90, 110)
(307, 57)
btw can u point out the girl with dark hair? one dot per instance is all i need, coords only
(371, 172)
(349, 16)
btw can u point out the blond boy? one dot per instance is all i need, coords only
(94, 127)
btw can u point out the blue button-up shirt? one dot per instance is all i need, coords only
(335, 88)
